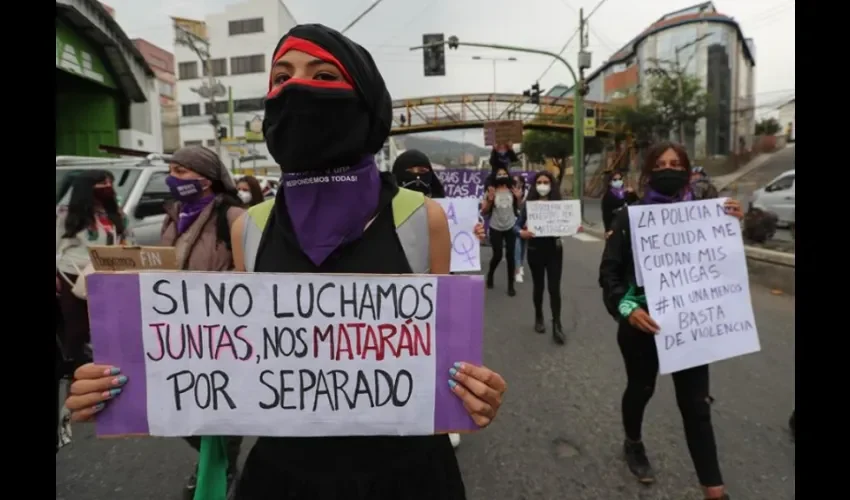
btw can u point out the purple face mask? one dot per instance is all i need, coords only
(329, 209)
(184, 189)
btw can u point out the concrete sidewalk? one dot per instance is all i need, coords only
(722, 181)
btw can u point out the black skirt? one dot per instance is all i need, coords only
(352, 468)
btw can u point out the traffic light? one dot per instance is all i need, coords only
(222, 133)
(434, 57)
(583, 89)
(533, 94)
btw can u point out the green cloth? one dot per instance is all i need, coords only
(212, 469)
(630, 301)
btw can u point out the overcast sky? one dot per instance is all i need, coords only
(397, 24)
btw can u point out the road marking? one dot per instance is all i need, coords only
(585, 237)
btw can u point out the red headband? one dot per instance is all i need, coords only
(301, 45)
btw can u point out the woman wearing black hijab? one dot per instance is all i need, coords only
(412, 170)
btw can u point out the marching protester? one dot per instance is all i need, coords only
(701, 185)
(91, 218)
(250, 191)
(412, 170)
(664, 179)
(198, 224)
(519, 251)
(501, 205)
(502, 156)
(616, 197)
(545, 258)
(328, 108)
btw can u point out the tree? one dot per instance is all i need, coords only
(768, 126)
(642, 121)
(678, 96)
(541, 145)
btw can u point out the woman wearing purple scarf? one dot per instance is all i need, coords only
(616, 197)
(664, 179)
(198, 224)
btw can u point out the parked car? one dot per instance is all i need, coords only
(139, 185)
(778, 198)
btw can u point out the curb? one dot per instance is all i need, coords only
(768, 268)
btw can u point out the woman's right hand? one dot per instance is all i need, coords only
(491, 193)
(526, 234)
(93, 387)
(641, 320)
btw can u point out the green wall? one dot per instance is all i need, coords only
(88, 106)
(86, 117)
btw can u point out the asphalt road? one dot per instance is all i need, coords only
(558, 435)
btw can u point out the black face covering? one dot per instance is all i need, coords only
(669, 182)
(424, 182)
(314, 125)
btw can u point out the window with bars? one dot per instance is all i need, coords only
(190, 110)
(187, 70)
(247, 64)
(220, 108)
(246, 26)
(219, 67)
(248, 105)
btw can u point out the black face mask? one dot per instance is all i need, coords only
(503, 180)
(310, 129)
(669, 182)
(416, 182)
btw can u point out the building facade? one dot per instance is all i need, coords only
(161, 62)
(705, 44)
(241, 40)
(105, 91)
(788, 119)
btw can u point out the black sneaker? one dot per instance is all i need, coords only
(637, 462)
(511, 290)
(489, 280)
(192, 484)
(558, 333)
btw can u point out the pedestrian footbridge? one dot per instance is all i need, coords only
(454, 112)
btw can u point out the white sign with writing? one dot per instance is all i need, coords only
(322, 350)
(553, 218)
(463, 216)
(691, 256)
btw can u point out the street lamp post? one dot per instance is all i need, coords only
(494, 60)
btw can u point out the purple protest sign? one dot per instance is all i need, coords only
(284, 355)
(467, 182)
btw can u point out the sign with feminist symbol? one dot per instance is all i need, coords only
(285, 354)
(691, 256)
(463, 216)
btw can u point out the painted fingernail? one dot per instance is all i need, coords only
(111, 393)
(452, 384)
(99, 406)
(452, 372)
(112, 371)
(458, 365)
(119, 380)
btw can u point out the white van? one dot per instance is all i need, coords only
(778, 197)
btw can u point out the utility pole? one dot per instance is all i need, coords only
(578, 108)
(201, 47)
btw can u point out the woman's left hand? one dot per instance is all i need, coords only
(478, 230)
(480, 389)
(733, 208)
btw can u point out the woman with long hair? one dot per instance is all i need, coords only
(328, 110)
(617, 196)
(545, 258)
(664, 180)
(412, 170)
(519, 252)
(250, 191)
(198, 224)
(501, 205)
(91, 218)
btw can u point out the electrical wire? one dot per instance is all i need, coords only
(576, 32)
(361, 16)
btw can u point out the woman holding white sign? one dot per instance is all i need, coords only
(327, 113)
(664, 179)
(545, 259)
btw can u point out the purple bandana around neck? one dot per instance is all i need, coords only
(653, 197)
(329, 209)
(619, 192)
(189, 212)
